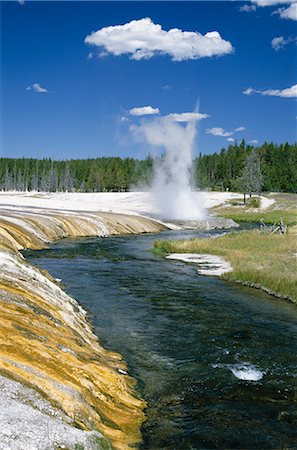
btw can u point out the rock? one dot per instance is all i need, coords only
(28, 421)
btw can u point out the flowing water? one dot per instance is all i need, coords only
(216, 362)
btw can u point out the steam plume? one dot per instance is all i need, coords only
(172, 188)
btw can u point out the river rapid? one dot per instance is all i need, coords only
(216, 362)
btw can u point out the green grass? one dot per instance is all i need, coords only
(270, 216)
(283, 200)
(285, 206)
(266, 261)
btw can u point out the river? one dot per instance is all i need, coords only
(216, 362)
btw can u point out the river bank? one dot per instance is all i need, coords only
(48, 346)
(265, 261)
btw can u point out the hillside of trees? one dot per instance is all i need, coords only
(218, 171)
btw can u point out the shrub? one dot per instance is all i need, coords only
(254, 202)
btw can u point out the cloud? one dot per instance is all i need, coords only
(262, 3)
(143, 39)
(172, 117)
(249, 91)
(144, 111)
(254, 141)
(289, 13)
(124, 119)
(247, 8)
(21, 2)
(290, 92)
(90, 55)
(217, 131)
(36, 88)
(167, 87)
(280, 42)
(186, 117)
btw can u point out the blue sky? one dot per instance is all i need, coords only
(91, 90)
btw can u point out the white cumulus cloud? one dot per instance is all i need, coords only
(217, 131)
(186, 117)
(289, 13)
(36, 88)
(290, 92)
(144, 111)
(280, 42)
(263, 3)
(172, 117)
(249, 91)
(254, 141)
(143, 39)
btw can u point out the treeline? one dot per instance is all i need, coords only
(221, 171)
(84, 175)
(218, 171)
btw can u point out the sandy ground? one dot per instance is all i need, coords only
(120, 202)
(266, 202)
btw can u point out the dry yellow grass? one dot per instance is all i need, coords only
(266, 261)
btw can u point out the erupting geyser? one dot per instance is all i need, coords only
(172, 190)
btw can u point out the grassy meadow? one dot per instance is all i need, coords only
(265, 261)
(285, 206)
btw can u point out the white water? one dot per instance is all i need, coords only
(243, 371)
(172, 189)
(247, 372)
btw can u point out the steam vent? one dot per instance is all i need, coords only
(57, 382)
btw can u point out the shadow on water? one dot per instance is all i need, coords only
(216, 362)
